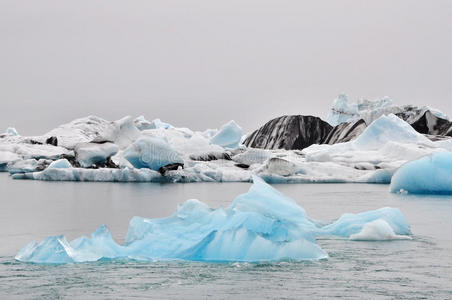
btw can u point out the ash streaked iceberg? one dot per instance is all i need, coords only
(261, 225)
(431, 174)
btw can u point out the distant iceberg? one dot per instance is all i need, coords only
(261, 225)
(344, 110)
(431, 174)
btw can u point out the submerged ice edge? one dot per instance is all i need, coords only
(261, 225)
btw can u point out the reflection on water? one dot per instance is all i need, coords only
(31, 210)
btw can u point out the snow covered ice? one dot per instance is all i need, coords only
(261, 225)
(431, 174)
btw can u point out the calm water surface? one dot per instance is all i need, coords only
(32, 210)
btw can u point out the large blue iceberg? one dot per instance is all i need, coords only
(261, 225)
(430, 174)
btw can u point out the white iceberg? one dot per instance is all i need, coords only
(261, 225)
(378, 230)
(431, 174)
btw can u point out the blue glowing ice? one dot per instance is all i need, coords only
(261, 225)
(430, 174)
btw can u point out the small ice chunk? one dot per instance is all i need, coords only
(12, 131)
(378, 230)
(60, 164)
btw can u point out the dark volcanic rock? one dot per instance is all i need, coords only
(430, 124)
(289, 132)
(171, 167)
(52, 141)
(210, 156)
(243, 166)
(345, 132)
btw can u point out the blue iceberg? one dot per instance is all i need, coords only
(228, 136)
(261, 225)
(430, 174)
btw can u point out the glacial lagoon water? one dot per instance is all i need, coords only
(33, 210)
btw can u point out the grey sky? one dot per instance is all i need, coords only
(201, 63)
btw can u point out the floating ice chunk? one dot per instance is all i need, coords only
(152, 153)
(378, 230)
(60, 164)
(12, 131)
(349, 224)
(431, 174)
(88, 154)
(261, 225)
(228, 136)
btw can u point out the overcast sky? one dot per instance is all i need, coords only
(201, 63)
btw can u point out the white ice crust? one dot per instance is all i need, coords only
(139, 148)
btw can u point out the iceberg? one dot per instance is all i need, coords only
(431, 174)
(261, 225)
(229, 135)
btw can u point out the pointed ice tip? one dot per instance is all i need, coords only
(257, 179)
(102, 231)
